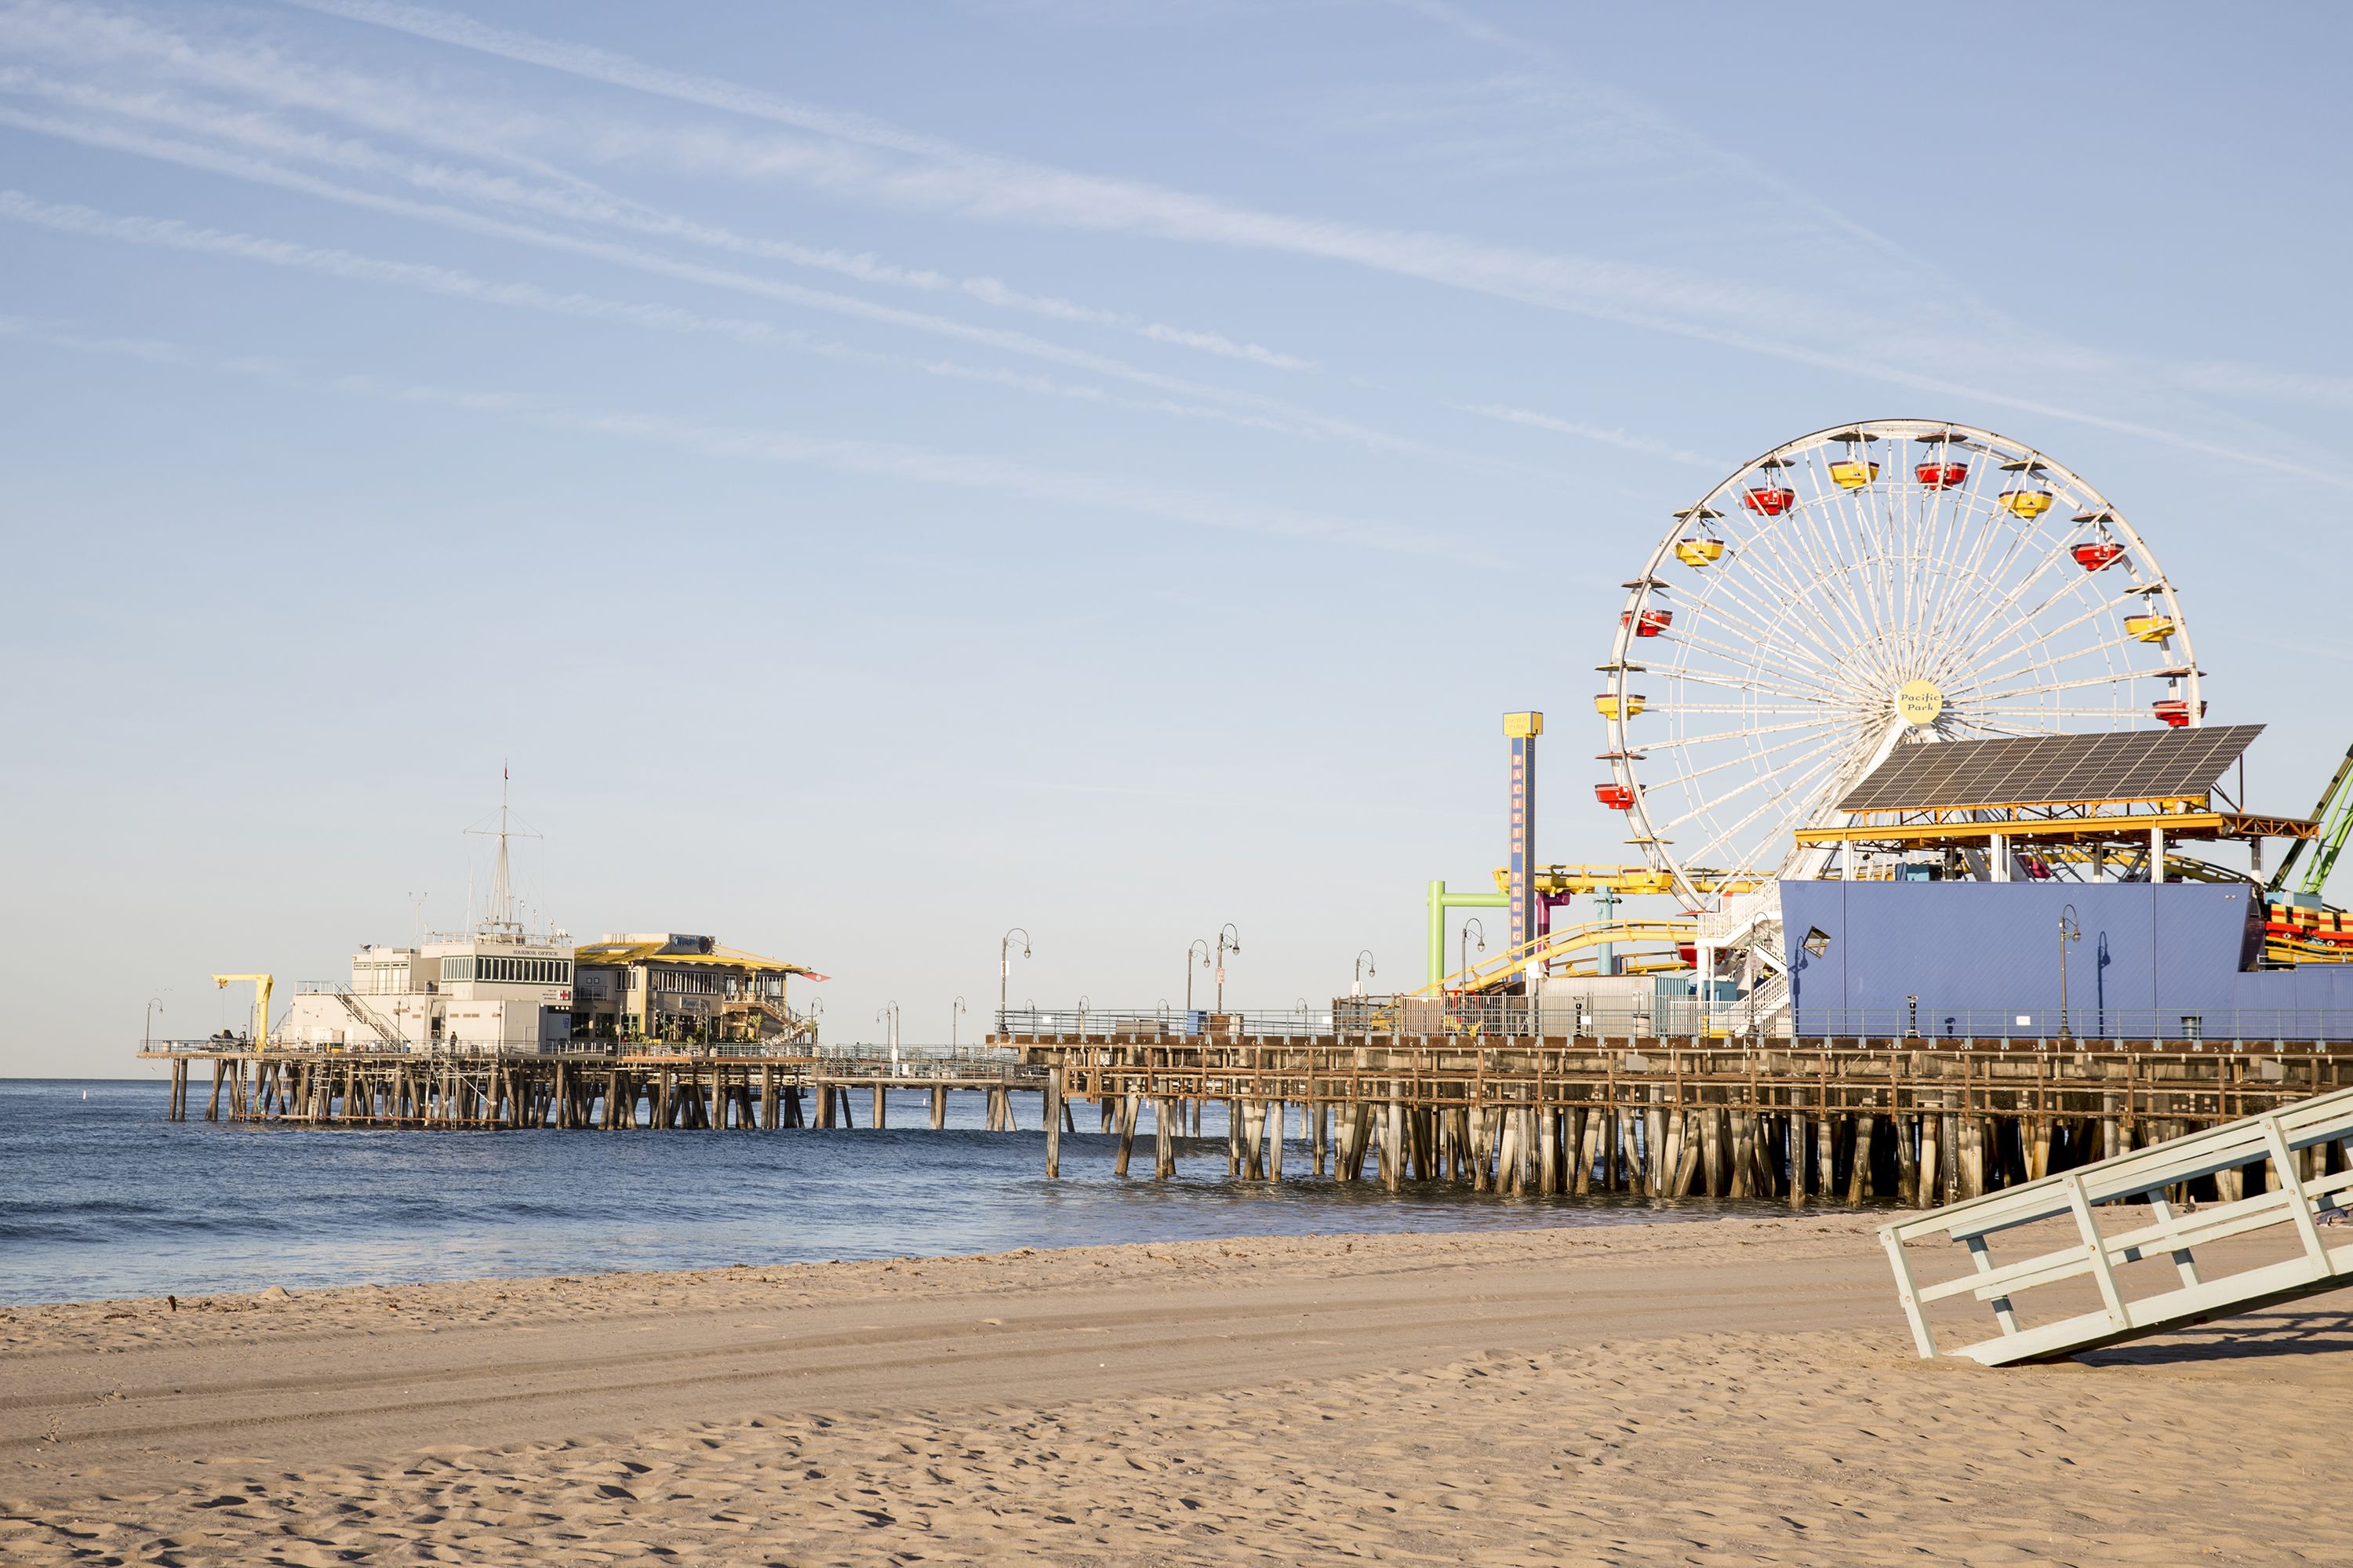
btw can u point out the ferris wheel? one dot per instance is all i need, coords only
(1877, 584)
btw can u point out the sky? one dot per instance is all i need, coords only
(879, 476)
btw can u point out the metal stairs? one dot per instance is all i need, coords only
(369, 1018)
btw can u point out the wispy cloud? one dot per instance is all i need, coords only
(886, 461)
(1648, 446)
(936, 172)
(438, 121)
(1279, 413)
(1984, 359)
(16, 206)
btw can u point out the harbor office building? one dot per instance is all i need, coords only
(501, 990)
(489, 990)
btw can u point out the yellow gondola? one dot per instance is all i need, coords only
(1699, 552)
(2150, 627)
(1853, 473)
(1605, 704)
(2027, 503)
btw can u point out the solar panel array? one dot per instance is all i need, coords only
(2124, 765)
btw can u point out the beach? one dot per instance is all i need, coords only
(1731, 1391)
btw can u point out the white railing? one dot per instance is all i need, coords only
(2269, 1152)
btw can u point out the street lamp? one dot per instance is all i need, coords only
(1225, 946)
(958, 1011)
(1364, 968)
(1201, 947)
(1005, 968)
(147, 1028)
(2070, 930)
(1464, 966)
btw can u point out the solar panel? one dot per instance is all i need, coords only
(2124, 765)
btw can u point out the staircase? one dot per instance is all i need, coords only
(369, 1018)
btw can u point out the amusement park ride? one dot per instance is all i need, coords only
(1824, 609)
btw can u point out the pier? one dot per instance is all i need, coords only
(1841, 1119)
(1919, 1121)
(644, 1089)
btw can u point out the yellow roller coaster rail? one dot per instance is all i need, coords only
(1541, 952)
(1629, 881)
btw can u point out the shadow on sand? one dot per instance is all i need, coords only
(2264, 1334)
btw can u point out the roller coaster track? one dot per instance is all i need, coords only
(1542, 951)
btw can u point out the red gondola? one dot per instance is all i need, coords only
(1934, 476)
(2036, 867)
(1687, 951)
(1769, 500)
(1653, 621)
(2175, 711)
(2097, 555)
(1617, 797)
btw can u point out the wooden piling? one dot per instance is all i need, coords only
(1053, 1114)
(1126, 1114)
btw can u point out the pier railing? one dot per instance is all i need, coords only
(850, 1057)
(1667, 1017)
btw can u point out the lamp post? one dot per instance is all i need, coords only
(1364, 968)
(958, 1011)
(1200, 946)
(147, 1028)
(1225, 946)
(1462, 968)
(2070, 930)
(1005, 968)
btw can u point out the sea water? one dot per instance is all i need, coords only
(100, 1196)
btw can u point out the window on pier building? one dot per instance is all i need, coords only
(509, 971)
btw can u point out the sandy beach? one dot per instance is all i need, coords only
(1722, 1392)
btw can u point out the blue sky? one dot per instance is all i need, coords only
(880, 475)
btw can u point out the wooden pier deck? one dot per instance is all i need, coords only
(1909, 1121)
(632, 1089)
(1917, 1120)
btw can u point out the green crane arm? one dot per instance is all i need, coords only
(2333, 834)
(2335, 814)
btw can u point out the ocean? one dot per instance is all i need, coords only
(101, 1197)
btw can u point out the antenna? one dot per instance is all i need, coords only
(501, 883)
(498, 919)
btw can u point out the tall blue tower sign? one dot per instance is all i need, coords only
(1523, 730)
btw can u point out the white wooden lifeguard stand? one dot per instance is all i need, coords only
(2280, 1145)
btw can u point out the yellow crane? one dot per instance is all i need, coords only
(262, 985)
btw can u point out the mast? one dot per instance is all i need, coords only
(502, 881)
(499, 915)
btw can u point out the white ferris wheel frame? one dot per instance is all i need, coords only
(1835, 603)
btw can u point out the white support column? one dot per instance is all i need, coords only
(2157, 854)
(1998, 854)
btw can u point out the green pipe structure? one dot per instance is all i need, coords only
(1441, 901)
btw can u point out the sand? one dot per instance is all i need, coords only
(1725, 1392)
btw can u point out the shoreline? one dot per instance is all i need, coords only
(1735, 1390)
